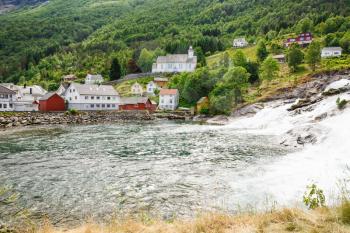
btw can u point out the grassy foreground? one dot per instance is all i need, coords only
(322, 220)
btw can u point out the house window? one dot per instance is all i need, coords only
(6, 96)
(113, 105)
(73, 90)
(70, 90)
(162, 101)
(0, 105)
(11, 105)
(98, 97)
(92, 105)
(76, 97)
(114, 98)
(92, 97)
(108, 98)
(171, 101)
(97, 105)
(86, 97)
(103, 105)
(108, 105)
(5, 105)
(70, 98)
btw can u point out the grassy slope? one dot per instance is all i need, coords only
(287, 220)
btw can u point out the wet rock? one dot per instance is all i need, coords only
(221, 120)
(301, 103)
(321, 117)
(249, 110)
(301, 136)
(337, 87)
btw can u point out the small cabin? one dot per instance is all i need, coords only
(203, 103)
(331, 52)
(280, 58)
(52, 102)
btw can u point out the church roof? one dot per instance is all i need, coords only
(176, 58)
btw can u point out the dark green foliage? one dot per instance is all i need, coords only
(294, 57)
(341, 104)
(204, 111)
(200, 57)
(132, 67)
(53, 86)
(115, 70)
(313, 55)
(314, 197)
(261, 52)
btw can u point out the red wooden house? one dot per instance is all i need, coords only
(52, 102)
(303, 40)
(137, 103)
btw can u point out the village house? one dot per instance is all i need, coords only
(240, 43)
(137, 103)
(202, 103)
(93, 79)
(27, 97)
(176, 63)
(62, 89)
(137, 89)
(331, 52)
(69, 78)
(85, 97)
(168, 99)
(303, 40)
(161, 82)
(280, 58)
(151, 88)
(7, 97)
(52, 102)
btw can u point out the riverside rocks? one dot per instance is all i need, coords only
(14, 119)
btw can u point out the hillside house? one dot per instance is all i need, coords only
(161, 82)
(240, 42)
(280, 58)
(7, 98)
(93, 79)
(168, 99)
(137, 89)
(303, 40)
(331, 52)
(69, 78)
(137, 103)
(175, 63)
(151, 87)
(86, 97)
(52, 102)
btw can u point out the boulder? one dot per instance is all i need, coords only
(220, 120)
(337, 87)
(249, 110)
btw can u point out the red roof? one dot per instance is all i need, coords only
(168, 92)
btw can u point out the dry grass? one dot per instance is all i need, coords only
(287, 220)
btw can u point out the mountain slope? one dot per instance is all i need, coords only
(79, 36)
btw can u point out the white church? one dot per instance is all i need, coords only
(174, 63)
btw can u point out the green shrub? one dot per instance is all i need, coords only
(204, 111)
(72, 112)
(341, 104)
(314, 197)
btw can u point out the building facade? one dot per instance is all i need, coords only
(303, 40)
(331, 52)
(137, 103)
(93, 79)
(7, 98)
(86, 97)
(137, 89)
(240, 43)
(168, 99)
(176, 63)
(151, 88)
(52, 102)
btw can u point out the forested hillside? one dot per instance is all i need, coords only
(80, 36)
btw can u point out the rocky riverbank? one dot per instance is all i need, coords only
(18, 119)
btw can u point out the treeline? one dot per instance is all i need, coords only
(42, 44)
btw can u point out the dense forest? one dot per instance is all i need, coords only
(40, 44)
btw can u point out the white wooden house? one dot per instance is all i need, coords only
(151, 88)
(7, 98)
(168, 99)
(331, 52)
(240, 42)
(85, 97)
(26, 97)
(137, 89)
(93, 79)
(173, 63)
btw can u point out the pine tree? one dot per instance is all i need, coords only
(115, 70)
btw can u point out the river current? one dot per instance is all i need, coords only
(170, 169)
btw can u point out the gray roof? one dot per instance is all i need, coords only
(279, 56)
(5, 90)
(161, 79)
(134, 100)
(47, 96)
(332, 48)
(95, 77)
(176, 58)
(87, 89)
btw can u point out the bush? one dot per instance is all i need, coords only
(204, 111)
(314, 197)
(72, 112)
(341, 104)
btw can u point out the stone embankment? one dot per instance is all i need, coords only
(16, 119)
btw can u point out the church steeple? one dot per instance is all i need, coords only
(190, 52)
